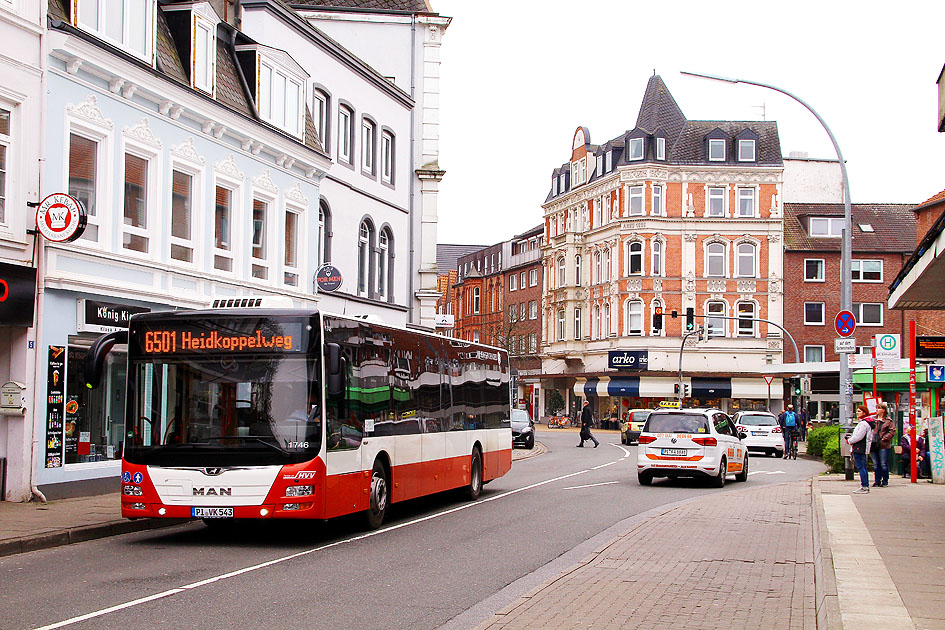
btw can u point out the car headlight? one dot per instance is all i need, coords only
(527, 430)
(299, 491)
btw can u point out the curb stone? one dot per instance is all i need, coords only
(74, 535)
(827, 602)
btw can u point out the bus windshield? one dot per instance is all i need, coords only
(221, 408)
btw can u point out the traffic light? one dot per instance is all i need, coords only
(690, 318)
(658, 318)
(676, 388)
(687, 392)
(796, 386)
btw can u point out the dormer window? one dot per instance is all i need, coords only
(204, 58)
(280, 88)
(826, 227)
(600, 165)
(716, 150)
(610, 161)
(127, 24)
(554, 185)
(635, 151)
(562, 185)
(661, 148)
(746, 150)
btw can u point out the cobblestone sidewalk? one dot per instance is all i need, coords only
(734, 560)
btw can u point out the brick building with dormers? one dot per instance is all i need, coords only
(883, 239)
(673, 214)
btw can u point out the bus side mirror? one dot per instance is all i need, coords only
(334, 371)
(95, 359)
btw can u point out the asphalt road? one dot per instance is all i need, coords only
(436, 562)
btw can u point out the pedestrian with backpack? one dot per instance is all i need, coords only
(788, 422)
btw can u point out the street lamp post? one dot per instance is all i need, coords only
(846, 292)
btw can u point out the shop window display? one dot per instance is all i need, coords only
(95, 418)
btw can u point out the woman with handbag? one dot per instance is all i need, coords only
(883, 434)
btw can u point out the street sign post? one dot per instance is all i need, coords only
(845, 323)
(844, 345)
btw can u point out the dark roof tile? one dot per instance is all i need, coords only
(691, 146)
(413, 6)
(447, 255)
(229, 87)
(894, 227)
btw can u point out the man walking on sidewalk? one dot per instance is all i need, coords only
(587, 419)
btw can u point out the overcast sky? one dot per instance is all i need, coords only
(519, 76)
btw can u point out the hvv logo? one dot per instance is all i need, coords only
(628, 359)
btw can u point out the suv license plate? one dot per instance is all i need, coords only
(211, 512)
(674, 451)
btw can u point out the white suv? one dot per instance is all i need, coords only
(691, 443)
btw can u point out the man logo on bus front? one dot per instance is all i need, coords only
(213, 472)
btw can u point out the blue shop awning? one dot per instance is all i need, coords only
(590, 387)
(710, 387)
(624, 386)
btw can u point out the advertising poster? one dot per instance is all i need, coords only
(55, 403)
(937, 449)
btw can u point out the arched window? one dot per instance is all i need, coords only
(561, 271)
(715, 326)
(715, 260)
(476, 298)
(635, 258)
(561, 325)
(634, 322)
(577, 324)
(746, 322)
(365, 255)
(324, 233)
(577, 270)
(606, 265)
(605, 332)
(597, 275)
(656, 261)
(745, 260)
(385, 264)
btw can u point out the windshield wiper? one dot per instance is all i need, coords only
(253, 438)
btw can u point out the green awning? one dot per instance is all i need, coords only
(897, 381)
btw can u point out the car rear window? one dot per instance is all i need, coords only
(759, 420)
(640, 416)
(676, 423)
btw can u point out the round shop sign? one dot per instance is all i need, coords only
(60, 218)
(328, 278)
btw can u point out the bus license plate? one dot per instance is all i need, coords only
(674, 451)
(211, 512)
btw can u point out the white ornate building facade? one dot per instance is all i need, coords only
(671, 216)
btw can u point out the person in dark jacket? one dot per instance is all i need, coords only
(923, 462)
(587, 420)
(879, 447)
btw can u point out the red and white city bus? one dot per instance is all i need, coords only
(257, 412)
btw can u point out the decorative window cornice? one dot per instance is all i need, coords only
(89, 112)
(227, 166)
(188, 151)
(142, 133)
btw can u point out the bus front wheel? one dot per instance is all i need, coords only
(380, 498)
(475, 476)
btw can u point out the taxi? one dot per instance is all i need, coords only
(632, 425)
(691, 443)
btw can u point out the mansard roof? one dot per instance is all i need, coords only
(409, 6)
(686, 140)
(447, 254)
(172, 37)
(894, 227)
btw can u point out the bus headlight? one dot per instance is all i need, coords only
(132, 491)
(299, 491)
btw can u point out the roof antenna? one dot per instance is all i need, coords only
(764, 110)
(654, 72)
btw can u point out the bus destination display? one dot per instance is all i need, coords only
(195, 339)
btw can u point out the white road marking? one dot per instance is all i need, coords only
(765, 472)
(591, 485)
(263, 565)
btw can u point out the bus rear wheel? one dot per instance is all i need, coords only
(474, 488)
(380, 498)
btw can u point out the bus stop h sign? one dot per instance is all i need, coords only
(845, 323)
